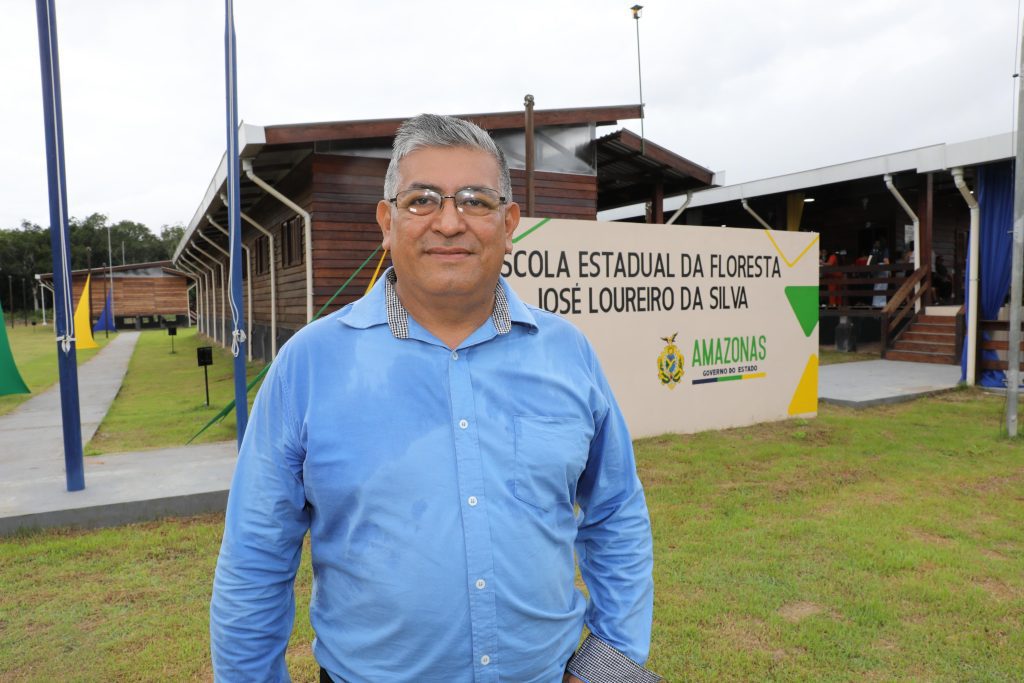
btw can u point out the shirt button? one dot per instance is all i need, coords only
(463, 424)
(472, 501)
(481, 584)
(455, 355)
(485, 660)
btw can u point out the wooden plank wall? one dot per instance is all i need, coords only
(345, 231)
(558, 195)
(134, 296)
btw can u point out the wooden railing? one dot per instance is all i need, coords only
(900, 309)
(991, 326)
(851, 290)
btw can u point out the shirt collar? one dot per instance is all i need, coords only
(382, 305)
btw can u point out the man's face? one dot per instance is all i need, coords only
(447, 253)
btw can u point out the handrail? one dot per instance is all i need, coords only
(903, 292)
(902, 303)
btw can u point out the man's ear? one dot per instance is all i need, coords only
(511, 223)
(384, 221)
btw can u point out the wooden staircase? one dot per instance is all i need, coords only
(928, 339)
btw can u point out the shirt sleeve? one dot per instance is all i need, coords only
(615, 553)
(253, 604)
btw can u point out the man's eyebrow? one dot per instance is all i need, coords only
(423, 186)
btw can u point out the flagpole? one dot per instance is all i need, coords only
(238, 340)
(60, 247)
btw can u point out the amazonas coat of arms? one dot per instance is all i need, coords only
(670, 363)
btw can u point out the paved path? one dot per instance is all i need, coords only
(119, 488)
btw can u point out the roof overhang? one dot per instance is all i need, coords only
(628, 167)
(506, 120)
(941, 157)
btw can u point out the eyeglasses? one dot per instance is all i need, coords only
(470, 201)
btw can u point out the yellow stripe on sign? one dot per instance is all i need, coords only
(802, 253)
(754, 375)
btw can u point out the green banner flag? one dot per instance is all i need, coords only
(10, 379)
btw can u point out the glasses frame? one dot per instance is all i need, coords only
(440, 207)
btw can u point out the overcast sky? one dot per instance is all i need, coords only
(753, 87)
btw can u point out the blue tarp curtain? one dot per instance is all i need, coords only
(995, 200)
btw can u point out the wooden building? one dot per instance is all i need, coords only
(144, 294)
(309, 194)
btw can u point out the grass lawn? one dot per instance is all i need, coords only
(827, 355)
(35, 354)
(142, 417)
(882, 544)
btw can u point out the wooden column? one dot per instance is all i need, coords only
(658, 203)
(926, 212)
(530, 150)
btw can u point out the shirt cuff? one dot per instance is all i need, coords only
(598, 662)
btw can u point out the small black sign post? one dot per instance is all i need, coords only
(204, 356)
(172, 332)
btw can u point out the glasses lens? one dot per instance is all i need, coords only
(419, 201)
(477, 201)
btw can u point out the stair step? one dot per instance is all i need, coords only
(944, 319)
(919, 357)
(924, 346)
(915, 334)
(934, 326)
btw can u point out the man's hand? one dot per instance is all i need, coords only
(569, 678)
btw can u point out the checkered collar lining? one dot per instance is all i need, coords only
(398, 317)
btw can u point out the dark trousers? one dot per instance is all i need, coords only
(324, 677)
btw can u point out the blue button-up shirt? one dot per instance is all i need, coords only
(445, 492)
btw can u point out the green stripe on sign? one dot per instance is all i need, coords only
(538, 224)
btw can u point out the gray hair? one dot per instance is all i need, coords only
(433, 130)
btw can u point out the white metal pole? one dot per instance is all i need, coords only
(1017, 269)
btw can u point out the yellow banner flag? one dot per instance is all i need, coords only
(83, 326)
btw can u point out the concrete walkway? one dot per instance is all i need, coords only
(877, 382)
(119, 488)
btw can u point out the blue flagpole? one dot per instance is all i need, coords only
(238, 346)
(60, 247)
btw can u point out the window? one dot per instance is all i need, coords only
(261, 255)
(293, 242)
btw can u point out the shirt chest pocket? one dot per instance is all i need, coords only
(550, 455)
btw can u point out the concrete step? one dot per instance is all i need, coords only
(921, 357)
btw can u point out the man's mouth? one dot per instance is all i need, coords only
(451, 252)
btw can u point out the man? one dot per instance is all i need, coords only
(447, 447)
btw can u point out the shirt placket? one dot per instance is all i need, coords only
(475, 527)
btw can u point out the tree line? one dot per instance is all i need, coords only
(25, 251)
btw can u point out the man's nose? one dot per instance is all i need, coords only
(448, 219)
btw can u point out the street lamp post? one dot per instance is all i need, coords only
(639, 73)
(88, 278)
(24, 304)
(10, 296)
(110, 277)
